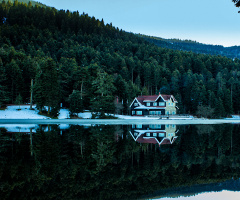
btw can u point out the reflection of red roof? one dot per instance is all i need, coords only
(147, 140)
(152, 140)
(166, 141)
(165, 97)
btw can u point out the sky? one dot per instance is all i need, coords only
(206, 21)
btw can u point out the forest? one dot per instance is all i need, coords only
(85, 64)
(196, 47)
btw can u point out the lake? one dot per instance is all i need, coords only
(138, 161)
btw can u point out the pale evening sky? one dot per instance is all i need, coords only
(206, 21)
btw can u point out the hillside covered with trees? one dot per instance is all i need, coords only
(83, 63)
(196, 47)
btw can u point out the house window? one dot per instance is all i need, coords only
(139, 125)
(148, 134)
(135, 134)
(152, 126)
(133, 112)
(159, 113)
(133, 126)
(173, 113)
(167, 113)
(173, 125)
(139, 112)
(154, 134)
(135, 104)
(159, 126)
(161, 104)
(169, 104)
(152, 112)
(161, 135)
(155, 104)
(148, 104)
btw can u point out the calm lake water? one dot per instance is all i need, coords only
(119, 161)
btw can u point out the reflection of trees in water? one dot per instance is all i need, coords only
(205, 129)
(102, 162)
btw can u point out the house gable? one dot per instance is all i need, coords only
(133, 104)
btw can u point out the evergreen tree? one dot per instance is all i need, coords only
(3, 89)
(18, 100)
(103, 101)
(46, 88)
(75, 102)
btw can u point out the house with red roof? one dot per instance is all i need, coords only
(154, 105)
(154, 134)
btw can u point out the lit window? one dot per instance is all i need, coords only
(135, 104)
(173, 113)
(148, 134)
(159, 125)
(154, 134)
(139, 112)
(152, 126)
(139, 125)
(148, 104)
(152, 112)
(161, 104)
(154, 104)
(158, 112)
(160, 134)
(133, 112)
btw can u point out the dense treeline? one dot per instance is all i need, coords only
(196, 47)
(26, 1)
(104, 162)
(78, 58)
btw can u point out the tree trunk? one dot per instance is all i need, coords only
(31, 96)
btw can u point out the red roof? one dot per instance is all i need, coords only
(155, 97)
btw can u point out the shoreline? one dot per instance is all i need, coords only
(118, 121)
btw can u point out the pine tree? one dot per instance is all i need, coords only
(103, 100)
(75, 102)
(18, 100)
(46, 88)
(3, 89)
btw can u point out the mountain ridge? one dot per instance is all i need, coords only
(176, 44)
(34, 3)
(194, 46)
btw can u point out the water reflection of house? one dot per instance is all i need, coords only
(154, 133)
